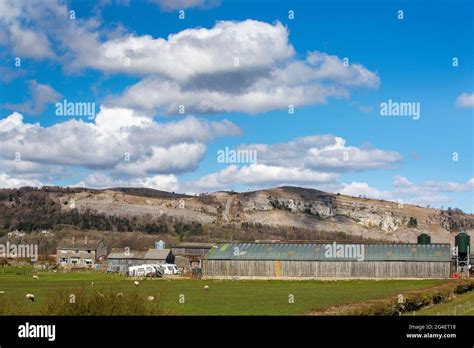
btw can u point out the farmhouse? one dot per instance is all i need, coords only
(87, 253)
(327, 260)
(120, 259)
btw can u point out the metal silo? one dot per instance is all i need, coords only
(160, 245)
(463, 242)
(463, 247)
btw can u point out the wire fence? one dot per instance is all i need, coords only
(466, 308)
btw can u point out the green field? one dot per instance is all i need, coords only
(461, 305)
(225, 297)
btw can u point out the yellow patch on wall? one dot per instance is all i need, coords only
(277, 268)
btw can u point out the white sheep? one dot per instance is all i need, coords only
(136, 283)
(150, 298)
(35, 277)
(30, 297)
(100, 295)
(119, 294)
(206, 287)
(92, 283)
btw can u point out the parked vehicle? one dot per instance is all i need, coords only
(145, 271)
(170, 268)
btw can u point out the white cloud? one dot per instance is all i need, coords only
(117, 136)
(176, 158)
(193, 52)
(465, 100)
(157, 182)
(235, 66)
(363, 189)
(41, 95)
(256, 174)
(428, 192)
(258, 88)
(403, 185)
(7, 181)
(324, 153)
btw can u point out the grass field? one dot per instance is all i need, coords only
(461, 305)
(243, 297)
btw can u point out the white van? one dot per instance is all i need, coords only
(170, 268)
(145, 271)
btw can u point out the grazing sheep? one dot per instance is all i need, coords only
(2, 292)
(30, 297)
(35, 277)
(150, 298)
(206, 287)
(92, 283)
(119, 294)
(136, 283)
(100, 295)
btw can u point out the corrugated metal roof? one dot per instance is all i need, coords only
(330, 252)
(150, 254)
(157, 254)
(194, 245)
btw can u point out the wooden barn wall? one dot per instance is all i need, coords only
(322, 269)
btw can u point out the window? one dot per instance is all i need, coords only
(88, 262)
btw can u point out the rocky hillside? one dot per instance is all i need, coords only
(283, 206)
(279, 209)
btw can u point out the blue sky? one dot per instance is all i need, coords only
(336, 140)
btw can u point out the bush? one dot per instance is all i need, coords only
(100, 302)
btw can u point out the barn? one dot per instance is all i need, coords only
(327, 260)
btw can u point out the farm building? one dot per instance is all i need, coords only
(192, 249)
(75, 253)
(120, 259)
(189, 254)
(330, 260)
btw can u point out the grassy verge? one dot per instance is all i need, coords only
(404, 302)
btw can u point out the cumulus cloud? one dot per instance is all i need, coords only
(157, 182)
(428, 192)
(465, 100)
(19, 36)
(120, 141)
(324, 153)
(7, 181)
(363, 189)
(256, 174)
(255, 86)
(243, 66)
(40, 96)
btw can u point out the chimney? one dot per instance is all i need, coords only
(85, 240)
(73, 240)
